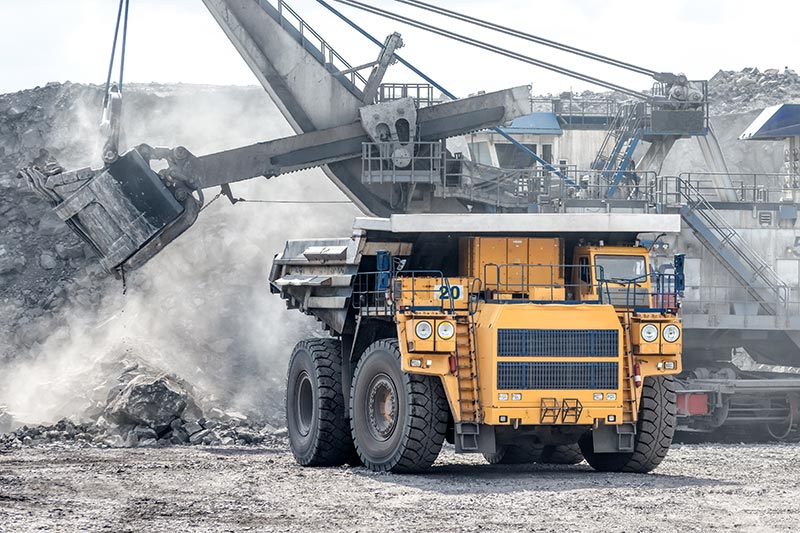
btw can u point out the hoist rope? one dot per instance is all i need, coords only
(492, 48)
(527, 36)
(124, 22)
(448, 94)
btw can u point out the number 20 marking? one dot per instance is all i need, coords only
(454, 292)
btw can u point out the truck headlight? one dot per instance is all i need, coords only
(423, 329)
(649, 332)
(671, 333)
(445, 330)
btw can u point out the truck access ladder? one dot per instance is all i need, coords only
(468, 427)
(630, 407)
(733, 251)
(616, 153)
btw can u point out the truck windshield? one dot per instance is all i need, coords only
(620, 267)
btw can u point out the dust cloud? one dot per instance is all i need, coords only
(202, 308)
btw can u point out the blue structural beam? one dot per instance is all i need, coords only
(447, 93)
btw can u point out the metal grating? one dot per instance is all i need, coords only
(557, 376)
(557, 343)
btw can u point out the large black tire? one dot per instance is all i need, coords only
(398, 420)
(654, 431)
(515, 454)
(316, 413)
(561, 454)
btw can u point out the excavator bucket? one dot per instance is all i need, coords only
(125, 212)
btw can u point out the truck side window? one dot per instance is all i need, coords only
(583, 265)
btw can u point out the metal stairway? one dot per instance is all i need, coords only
(734, 252)
(616, 153)
(316, 46)
(468, 428)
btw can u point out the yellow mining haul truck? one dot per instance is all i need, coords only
(522, 347)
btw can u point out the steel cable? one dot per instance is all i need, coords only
(492, 48)
(527, 36)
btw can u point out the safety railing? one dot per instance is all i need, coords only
(624, 129)
(538, 185)
(573, 111)
(763, 281)
(430, 291)
(372, 294)
(633, 186)
(310, 38)
(422, 93)
(382, 294)
(541, 283)
(719, 302)
(747, 187)
(382, 163)
(653, 293)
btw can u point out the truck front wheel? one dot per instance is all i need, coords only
(398, 420)
(654, 431)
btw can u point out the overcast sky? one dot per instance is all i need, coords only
(178, 40)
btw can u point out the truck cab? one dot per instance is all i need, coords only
(612, 270)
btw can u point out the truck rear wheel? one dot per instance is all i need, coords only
(654, 431)
(316, 414)
(518, 454)
(515, 454)
(561, 454)
(398, 420)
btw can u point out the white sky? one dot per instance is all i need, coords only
(178, 40)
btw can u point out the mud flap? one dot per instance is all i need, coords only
(614, 438)
(126, 212)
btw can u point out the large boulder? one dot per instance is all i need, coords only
(151, 401)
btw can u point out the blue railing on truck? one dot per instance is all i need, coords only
(661, 296)
(377, 293)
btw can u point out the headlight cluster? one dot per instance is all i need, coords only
(671, 333)
(423, 329)
(649, 333)
(445, 330)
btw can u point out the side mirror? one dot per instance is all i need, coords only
(680, 279)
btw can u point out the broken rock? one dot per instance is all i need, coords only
(198, 437)
(151, 401)
(47, 261)
(192, 427)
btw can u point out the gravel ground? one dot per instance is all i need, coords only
(698, 488)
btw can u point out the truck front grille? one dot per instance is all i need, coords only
(557, 375)
(557, 343)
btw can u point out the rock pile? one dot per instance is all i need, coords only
(750, 89)
(145, 408)
(729, 92)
